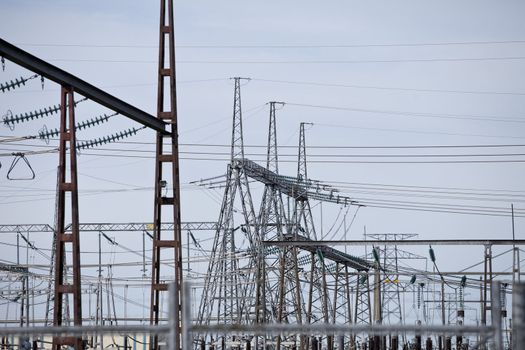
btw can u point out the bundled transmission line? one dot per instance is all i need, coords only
(10, 120)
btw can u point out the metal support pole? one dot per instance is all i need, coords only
(518, 315)
(186, 314)
(442, 336)
(172, 317)
(496, 315)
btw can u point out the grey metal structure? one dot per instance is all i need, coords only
(112, 226)
(229, 290)
(316, 298)
(390, 290)
(272, 221)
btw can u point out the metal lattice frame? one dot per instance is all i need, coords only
(230, 284)
(317, 298)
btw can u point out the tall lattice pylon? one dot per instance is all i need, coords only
(229, 290)
(272, 225)
(272, 305)
(167, 184)
(71, 237)
(302, 225)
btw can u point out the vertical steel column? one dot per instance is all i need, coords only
(67, 143)
(487, 280)
(518, 315)
(497, 330)
(167, 153)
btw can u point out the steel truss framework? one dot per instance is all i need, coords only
(229, 286)
(391, 312)
(256, 284)
(121, 226)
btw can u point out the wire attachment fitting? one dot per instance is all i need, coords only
(16, 160)
(44, 134)
(8, 116)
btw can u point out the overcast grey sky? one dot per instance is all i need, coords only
(385, 73)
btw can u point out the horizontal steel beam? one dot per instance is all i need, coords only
(66, 79)
(142, 226)
(95, 227)
(401, 242)
(25, 228)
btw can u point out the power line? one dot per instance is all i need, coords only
(414, 114)
(421, 132)
(464, 155)
(308, 147)
(420, 187)
(122, 155)
(310, 155)
(409, 60)
(353, 86)
(434, 210)
(279, 46)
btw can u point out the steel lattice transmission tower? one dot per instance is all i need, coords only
(272, 226)
(230, 284)
(166, 205)
(302, 223)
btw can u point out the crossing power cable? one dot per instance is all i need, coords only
(289, 62)
(491, 118)
(285, 45)
(334, 156)
(390, 88)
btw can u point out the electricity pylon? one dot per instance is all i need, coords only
(302, 224)
(272, 226)
(166, 202)
(229, 287)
